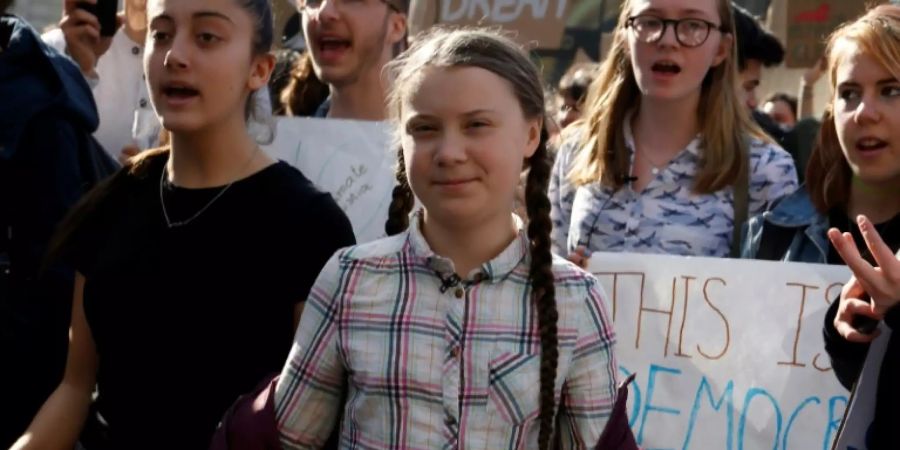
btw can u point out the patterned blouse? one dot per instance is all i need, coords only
(426, 363)
(667, 217)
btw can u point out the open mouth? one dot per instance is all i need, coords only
(333, 44)
(180, 92)
(666, 68)
(870, 144)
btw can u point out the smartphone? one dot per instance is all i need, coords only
(105, 11)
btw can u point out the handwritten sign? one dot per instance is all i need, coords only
(560, 31)
(351, 160)
(811, 21)
(728, 353)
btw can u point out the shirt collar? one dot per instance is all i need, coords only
(494, 270)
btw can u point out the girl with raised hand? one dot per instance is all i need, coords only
(665, 159)
(852, 199)
(193, 262)
(854, 168)
(460, 330)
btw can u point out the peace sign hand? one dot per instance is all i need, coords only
(882, 283)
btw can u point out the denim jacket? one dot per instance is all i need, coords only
(796, 215)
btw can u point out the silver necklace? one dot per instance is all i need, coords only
(654, 168)
(180, 223)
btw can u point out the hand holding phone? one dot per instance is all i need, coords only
(83, 30)
(105, 11)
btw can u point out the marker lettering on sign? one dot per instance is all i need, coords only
(615, 286)
(726, 398)
(790, 423)
(831, 294)
(724, 320)
(804, 287)
(687, 285)
(499, 11)
(649, 406)
(742, 423)
(835, 415)
(669, 312)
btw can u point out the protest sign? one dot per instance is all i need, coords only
(728, 353)
(559, 31)
(809, 22)
(351, 160)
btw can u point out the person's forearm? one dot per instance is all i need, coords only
(59, 422)
(805, 100)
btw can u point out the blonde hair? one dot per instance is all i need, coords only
(877, 33)
(725, 121)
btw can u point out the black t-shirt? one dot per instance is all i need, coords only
(186, 319)
(889, 231)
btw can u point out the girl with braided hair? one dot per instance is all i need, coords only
(461, 329)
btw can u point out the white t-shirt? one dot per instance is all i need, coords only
(120, 92)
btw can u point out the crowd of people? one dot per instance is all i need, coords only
(159, 268)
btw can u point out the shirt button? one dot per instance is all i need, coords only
(143, 103)
(454, 352)
(459, 293)
(135, 50)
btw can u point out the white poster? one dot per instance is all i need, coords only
(728, 353)
(352, 160)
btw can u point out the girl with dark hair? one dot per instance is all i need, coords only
(193, 261)
(461, 329)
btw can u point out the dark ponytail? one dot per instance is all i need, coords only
(402, 200)
(496, 53)
(542, 283)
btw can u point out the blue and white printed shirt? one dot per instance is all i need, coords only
(667, 217)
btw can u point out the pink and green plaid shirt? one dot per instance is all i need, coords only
(426, 368)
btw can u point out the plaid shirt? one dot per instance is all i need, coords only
(430, 368)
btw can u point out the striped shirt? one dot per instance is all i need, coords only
(667, 216)
(429, 368)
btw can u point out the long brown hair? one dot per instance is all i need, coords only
(305, 91)
(725, 121)
(475, 47)
(138, 166)
(828, 174)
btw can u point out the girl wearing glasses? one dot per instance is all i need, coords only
(665, 158)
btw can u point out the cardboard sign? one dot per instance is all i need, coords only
(559, 31)
(811, 21)
(351, 160)
(728, 353)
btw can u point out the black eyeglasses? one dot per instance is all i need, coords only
(688, 32)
